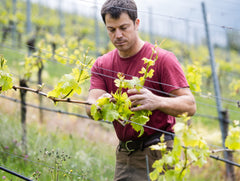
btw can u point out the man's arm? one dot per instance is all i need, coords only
(181, 101)
(93, 96)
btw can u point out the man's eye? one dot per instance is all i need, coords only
(111, 30)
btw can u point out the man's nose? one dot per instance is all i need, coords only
(118, 33)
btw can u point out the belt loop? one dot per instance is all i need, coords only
(119, 146)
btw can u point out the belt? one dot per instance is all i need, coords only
(133, 145)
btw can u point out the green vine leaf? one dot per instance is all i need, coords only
(71, 83)
(6, 81)
(61, 55)
(234, 86)
(233, 138)
(141, 118)
(135, 82)
(64, 86)
(95, 112)
(109, 112)
(194, 76)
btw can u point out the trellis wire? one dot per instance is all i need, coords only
(14, 173)
(39, 163)
(146, 126)
(172, 17)
(229, 101)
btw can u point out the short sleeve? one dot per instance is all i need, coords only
(172, 74)
(97, 78)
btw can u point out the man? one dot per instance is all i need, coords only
(169, 96)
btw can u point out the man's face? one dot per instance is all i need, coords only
(122, 32)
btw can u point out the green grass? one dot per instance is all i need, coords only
(85, 160)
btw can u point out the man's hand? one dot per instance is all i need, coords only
(142, 99)
(107, 95)
(93, 96)
(180, 101)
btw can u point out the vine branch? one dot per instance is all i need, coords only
(222, 150)
(37, 91)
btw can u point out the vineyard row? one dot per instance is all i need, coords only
(86, 117)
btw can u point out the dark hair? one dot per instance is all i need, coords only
(116, 7)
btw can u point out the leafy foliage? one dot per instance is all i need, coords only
(233, 138)
(187, 145)
(194, 76)
(5, 77)
(235, 87)
(70, 83)
(36, 61)
(120, 108)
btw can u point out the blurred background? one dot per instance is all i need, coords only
(179, 20)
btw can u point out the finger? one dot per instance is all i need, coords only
(107, 95)
(136, 91)
(135, 97)
(138, 108)
(113, 100)
(135, 103)
(139, 102)
(133, 91)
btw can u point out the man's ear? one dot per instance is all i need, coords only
(137, 23)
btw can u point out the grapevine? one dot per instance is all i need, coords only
(189, 146)
(187, 142)
(194, 76)
(5, 77)
(71, 83)
(119, 109)
(6, 82)
(235, 87)
(233, 138)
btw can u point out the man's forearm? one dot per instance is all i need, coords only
(176, 106)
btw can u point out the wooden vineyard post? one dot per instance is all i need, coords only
(23, 115)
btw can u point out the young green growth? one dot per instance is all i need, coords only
(189, 149)
(233, 138)
(120, 109)
(6, 81)
(71, 83)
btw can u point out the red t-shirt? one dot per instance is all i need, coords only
(168, 75)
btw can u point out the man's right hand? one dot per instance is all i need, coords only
(107, 95)
(93, 96)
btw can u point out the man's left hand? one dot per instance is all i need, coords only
(143, 99)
